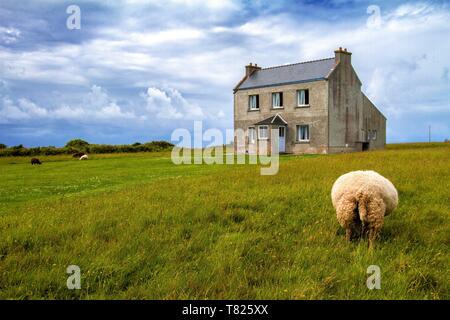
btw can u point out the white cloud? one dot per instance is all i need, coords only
(9, 35)
(170, 104)
(96, 107)
(10, 112)
(277, 29)
(221, 114)
(50, 65)
(171, 35)
(31, 109)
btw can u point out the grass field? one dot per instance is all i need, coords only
(140, 227)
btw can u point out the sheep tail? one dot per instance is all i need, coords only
(361, 200)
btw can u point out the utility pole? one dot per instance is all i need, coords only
(429, 134)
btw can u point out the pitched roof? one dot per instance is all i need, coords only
(276, 120)
(292, 73)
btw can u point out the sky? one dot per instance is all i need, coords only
(136, 70)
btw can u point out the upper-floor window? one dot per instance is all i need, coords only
(253, 102)
(263, 132)
(277, 100)
(303, 98)
(251, 135)
(303, 132)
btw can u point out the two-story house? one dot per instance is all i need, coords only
(315, 107)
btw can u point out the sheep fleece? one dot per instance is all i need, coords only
(368, 188)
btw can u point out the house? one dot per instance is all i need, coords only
(314, 107)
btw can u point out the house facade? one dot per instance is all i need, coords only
(313, 107)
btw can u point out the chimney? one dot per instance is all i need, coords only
(342, 56)
(249, 69)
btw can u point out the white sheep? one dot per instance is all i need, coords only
(361, 200)
(84, 157)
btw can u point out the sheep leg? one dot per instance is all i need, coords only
(372, 235)
(345, 213)
(363, 229)
(375, 216)
(348, 234)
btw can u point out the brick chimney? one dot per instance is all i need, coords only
(342, 56)
(249, 69)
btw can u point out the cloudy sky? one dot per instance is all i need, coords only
(138, 69)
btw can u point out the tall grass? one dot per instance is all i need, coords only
(152, 230)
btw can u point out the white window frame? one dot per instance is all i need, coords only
(374, 134)
(250, 97)
(298, 100)
(298, 133)
(281, 104)
(259, 132)
(250, 136)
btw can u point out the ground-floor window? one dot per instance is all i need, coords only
(263, 132)
(303, 132)
(251, 135)
(374, 135)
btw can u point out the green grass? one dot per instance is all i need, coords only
(140, 227)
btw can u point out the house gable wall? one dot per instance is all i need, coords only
(373, 121)
(345, 103)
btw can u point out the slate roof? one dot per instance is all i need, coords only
(276, 120)
(287, 74)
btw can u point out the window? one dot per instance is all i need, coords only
(277, 100)
(303, 98)
(251, 135)
(303, 132)
(253, 102)
(263, 132)
(374, 135)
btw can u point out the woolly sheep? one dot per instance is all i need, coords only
(361, 200)
(84, 157)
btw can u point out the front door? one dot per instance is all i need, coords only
(282, 138)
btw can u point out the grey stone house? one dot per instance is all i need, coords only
(315, 107)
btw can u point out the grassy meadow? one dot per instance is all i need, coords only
(141, 227)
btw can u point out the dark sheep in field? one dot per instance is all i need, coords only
(35, 161)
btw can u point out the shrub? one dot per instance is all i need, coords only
(77, 143)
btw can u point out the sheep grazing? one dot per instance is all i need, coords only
(84, 157)
(35, 161)
(78, 154)
(361, 200)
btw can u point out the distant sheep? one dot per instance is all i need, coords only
(35, 161)
(78, 154)
(84, 157)
(361, 200)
